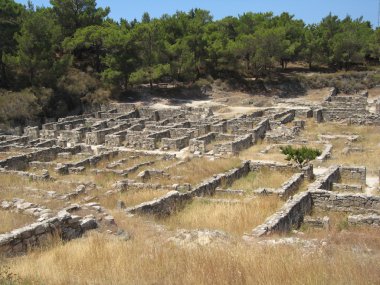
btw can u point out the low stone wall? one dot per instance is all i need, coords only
(257, 165)
(365, 220)
(304, 113)
(326, 153)
(292, 185)
(318, 115)
(176, 143)
(16, 140)
(356, 173)
(65, 226)
(326, 180)
(174, 201)
(260, 131)
(139, 140)
(288, 118)
(347, 187)
(99, 137)
(234, 147)
(164, 206)
(219, 128)
(32, 133)
(32, 176)
(350, 203)
(21, 162)
(90, 161)
(183, 132)
(199, 144)
(289, 216)
(209, 186)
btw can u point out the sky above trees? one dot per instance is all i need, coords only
(311, 11)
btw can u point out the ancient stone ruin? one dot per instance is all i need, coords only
(74, 169)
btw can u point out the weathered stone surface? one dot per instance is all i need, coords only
(289, 216)
(66, 226)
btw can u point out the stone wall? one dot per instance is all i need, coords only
(199, 144)
(351, 203)
(32, 133)
(175, 201)
(21, 162)
(140, 141)
(353, 173)
(16, 140)
(164, 206)
(260, 131)
(234, 147)
(347, 187)
(291, 186)
(176, 143)
(289, 216)
(366, 220)
(209, 186)
(257, 165)
(90, 161)
(349, 109)
(326, 153)
(66, 227)
(326, 180)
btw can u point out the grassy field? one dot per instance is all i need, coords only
(131, 197)
(99, 259)
(234, 218)
(261, 179)
(197, 169)
(11, 220)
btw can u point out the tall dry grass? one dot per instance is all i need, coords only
(131, 197)
(234, 218)
(197, 169)
(261, 179)
(13, 186)
(10, 221)
(369, 138)
(99, 259)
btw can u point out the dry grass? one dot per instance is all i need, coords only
(261, 179)
(196, 170)
(232, 218)
(136, 159)
(254, 152)
(131, 197)
(104, 180)
(158, 165)
(13, 186)
(5, 155)
(99, 259)
(340, 232)
(11, 221)
(368, 141)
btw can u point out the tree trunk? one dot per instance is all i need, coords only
(3, 74)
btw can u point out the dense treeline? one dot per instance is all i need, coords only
(71, 52)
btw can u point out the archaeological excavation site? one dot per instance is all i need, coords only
(191, 142)
(130, 185)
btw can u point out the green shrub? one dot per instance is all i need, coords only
(300, 155)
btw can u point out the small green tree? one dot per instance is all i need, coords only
(300, 155)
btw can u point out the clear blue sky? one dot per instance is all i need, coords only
(311, 11)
